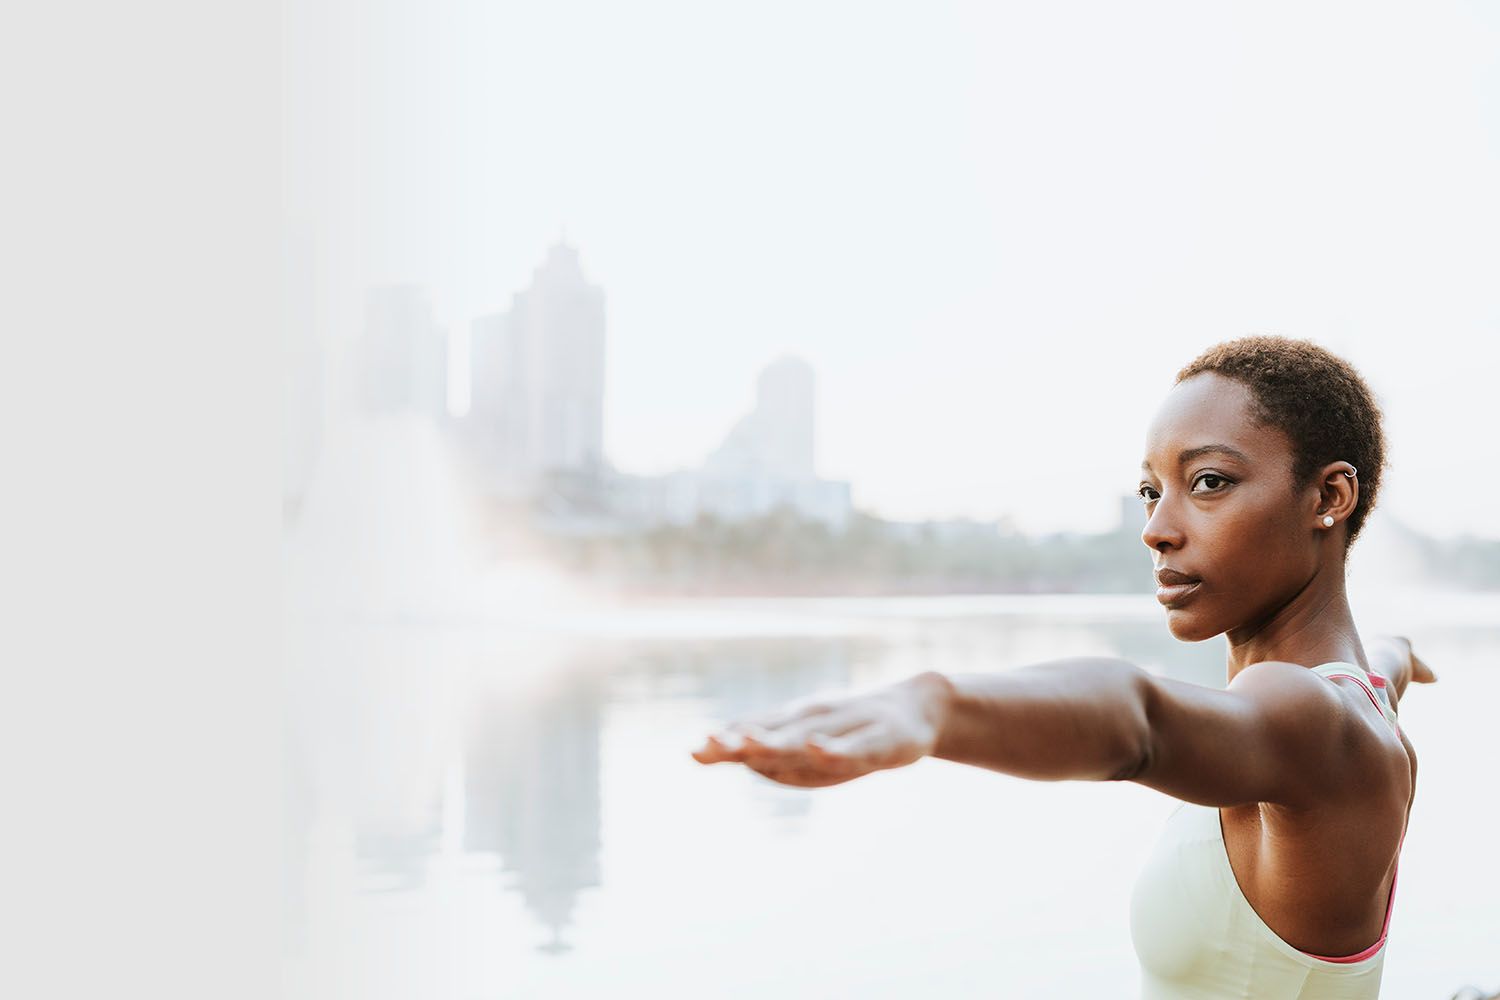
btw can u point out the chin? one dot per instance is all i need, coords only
(1185, 628)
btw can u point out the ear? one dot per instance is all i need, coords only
(1338, 493)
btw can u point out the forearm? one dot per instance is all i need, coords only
(1390, 658)
(1082, 718)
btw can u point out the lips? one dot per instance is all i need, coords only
(1177, 593)
(1174, 587)
(1168, 577)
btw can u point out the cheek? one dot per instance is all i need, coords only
(1264, 559)
(1261, 522)
(1252, 548)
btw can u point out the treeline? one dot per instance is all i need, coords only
(1462, 563)
(783, 553)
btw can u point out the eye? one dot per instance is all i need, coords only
(1216, 484)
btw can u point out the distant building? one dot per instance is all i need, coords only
(537, 381)
(536, 424)
(775, 439)
(402, 355)
(765, 462)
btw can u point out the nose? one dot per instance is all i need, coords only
(1161, 531)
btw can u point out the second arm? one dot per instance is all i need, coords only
(1080, 718)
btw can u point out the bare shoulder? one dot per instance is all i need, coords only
(1277, 733)
(1275, 680)
(1290, 698)
(1375, 756)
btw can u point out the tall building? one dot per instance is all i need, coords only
(537, 379)
(775, 439)
(536, 423)
(766, 461)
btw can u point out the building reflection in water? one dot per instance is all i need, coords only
(531, 787)
(737, 678)
(530, 776)
(473, 789)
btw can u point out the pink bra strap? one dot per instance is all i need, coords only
(1365, 681)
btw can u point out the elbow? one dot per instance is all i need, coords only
(1137, 764)
(1137, 745)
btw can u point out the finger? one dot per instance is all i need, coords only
(720, 747)
(763, 746)
(771, 752)
(834, 754)
(867, 745)
(793, 746)
(709, 754)
(807, 776)
(835, 723)
(783, 714)
(795, 734)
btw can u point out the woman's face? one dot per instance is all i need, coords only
(1221, 510)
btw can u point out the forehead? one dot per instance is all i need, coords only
(1204, 410)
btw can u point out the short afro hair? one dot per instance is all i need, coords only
(1317, 399)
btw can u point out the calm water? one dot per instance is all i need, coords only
(496, 812)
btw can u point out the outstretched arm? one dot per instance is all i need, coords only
(1278, 733)
(1081, 718)
(1391, 657)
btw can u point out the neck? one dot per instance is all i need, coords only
(1314, 627)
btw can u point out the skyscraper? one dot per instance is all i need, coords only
(537, 393)
(774, 440)
(768, 460)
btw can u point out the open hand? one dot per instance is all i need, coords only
(818, 741)
(1421, 673)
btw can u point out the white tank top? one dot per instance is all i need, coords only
(1198, 938)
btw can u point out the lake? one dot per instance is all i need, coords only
(508, 808)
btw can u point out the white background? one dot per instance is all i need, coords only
(995, 230)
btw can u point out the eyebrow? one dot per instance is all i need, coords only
(1188, 454)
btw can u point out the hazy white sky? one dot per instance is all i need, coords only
(996, 230)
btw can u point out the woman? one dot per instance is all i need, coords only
(1276, 876)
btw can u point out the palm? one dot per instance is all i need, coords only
(1421, 673)
(815, 743)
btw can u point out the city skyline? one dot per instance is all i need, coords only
(534, 379)
(995, 262)
(501, 367)
(531, 380)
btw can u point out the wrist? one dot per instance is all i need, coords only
(934, 695)
(1390, 656)
(1393, 653)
